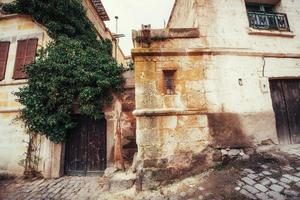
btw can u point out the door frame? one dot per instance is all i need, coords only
(85, 123)
(54, 154)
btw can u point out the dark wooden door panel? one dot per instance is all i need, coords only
(291, 90)
(279, 105)
(86, 148)
(75, 150)
(96, 147)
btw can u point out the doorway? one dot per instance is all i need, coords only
(285, 95)
(85, 150)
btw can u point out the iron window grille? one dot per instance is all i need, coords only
(268, 21)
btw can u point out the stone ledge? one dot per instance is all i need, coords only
(166, 112)
(210, 51)
(163, 34)
(288, 34)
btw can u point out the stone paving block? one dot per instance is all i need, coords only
(287, 168)
(240, 183)
(265, 182)
(249, 171)
(264, 166)
(291, 193)
(272, 180)
(293, 178)
(262, 196)
(276, 188)
(247, 194)
(285, 180)
(251, 189)
(261, 187)
(276, 195)
(248, 181)
(286, 186)
(252, 176)
(267, 173)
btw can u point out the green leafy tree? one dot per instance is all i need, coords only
(60, 17)
(74, 68)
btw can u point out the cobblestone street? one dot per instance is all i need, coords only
(270, 183)
(63, 188)
(273, 175)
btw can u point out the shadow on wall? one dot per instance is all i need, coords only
(227, 131)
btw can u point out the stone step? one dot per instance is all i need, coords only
(121, 181)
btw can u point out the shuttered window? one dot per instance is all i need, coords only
(4, 48)
(26, 52)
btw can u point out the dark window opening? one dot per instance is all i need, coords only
(169, 82)
(260, 8)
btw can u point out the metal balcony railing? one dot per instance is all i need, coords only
(268, 21)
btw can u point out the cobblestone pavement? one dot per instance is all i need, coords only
(270, 183)
(261, 177)
(63, 188)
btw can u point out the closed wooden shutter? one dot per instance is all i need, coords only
(4, 48)
(26, 52)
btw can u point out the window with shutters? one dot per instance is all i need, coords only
(26, 52)
(4, 48)
(169, 81)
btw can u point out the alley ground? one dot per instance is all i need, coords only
(272, 175)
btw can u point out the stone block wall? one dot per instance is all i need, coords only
(189, 84)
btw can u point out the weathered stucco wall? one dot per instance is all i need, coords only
(169, 125)
(12, 143)
(225, 25)
(13, 135)
(221, 84)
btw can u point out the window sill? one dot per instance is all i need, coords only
(252, 31)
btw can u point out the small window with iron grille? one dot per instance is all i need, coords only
(262, 16)
(169, 81)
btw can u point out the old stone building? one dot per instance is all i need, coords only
(17, 30)
(223, 74)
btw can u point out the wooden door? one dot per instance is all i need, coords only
(85, 152)
(286, 103)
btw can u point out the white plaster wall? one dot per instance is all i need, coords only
(12, 133)
(12, 143)
(225, 94)
(224, 24)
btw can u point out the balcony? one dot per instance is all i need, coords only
(268, 21)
